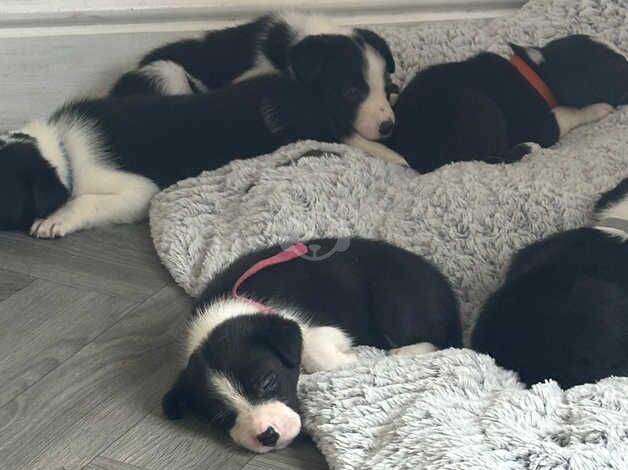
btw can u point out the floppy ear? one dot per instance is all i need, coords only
(173, 402)
(307, 58)
(380, 45)
(532, 55)
(284, 338)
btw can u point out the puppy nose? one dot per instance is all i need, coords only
(386, 127)
(269, 437)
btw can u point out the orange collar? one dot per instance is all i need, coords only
(534, 79)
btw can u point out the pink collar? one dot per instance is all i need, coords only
(294, 251)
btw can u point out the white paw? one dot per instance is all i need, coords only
(329, 362)
(52, 227)
(599, 111)
(413, 349)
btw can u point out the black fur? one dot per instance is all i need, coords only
(562, 312)
(480, 108)
(332, 66)
(262, 351)
(168, 138)
(379, 294)
(215, 60)
(29, 186)
(223, 55)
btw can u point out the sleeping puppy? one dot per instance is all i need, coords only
(487, 108)
(562, 312)
(100, 161)
(260, 47)
(276, 311)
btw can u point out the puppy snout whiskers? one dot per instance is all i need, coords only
(269, 437)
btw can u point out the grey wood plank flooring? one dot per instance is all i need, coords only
(186, 444)
(11, 282)
(103, 463)
(90, 331)
(114, 263)
(44, 324)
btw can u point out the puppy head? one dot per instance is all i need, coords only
(351, 75)
(30, 187)
(580, 70)
(243, 378)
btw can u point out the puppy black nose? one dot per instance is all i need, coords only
(269, 437)
(386, 128)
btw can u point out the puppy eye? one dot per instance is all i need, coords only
(267, 384)
(353, 94)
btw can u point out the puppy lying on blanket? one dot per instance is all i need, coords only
(263, 46)
(275, 311)
(486, 107)
(100, 161)
(562, 312)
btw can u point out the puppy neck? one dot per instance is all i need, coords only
(209, 316)
(52, 149)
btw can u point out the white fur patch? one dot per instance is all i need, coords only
(376, 149)
(47, 140)
(535, 55)
(209, 316)
(326, 348)
(312, 24)
(102, 193)
(168, 77)
(570, 118)
(413, 349)
(252, 420)
(375, 109)
(262, 66)
(619, 210)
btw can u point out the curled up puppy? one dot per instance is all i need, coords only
(277, 311)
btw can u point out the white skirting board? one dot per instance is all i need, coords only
(53, 50)
(20, 18)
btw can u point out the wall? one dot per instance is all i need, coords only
(54, 49)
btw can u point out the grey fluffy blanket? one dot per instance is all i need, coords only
(452, 409)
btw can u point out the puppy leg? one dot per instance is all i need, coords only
(413, 349)
(91, 210)
(376, 149)
(570, 118)
(325, 348)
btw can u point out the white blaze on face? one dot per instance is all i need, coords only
(375, 109)
(253, 420)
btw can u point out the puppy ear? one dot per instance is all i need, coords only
(533, 55)
(284, 338)
(307, 58)
(173, 402)
(380, 45)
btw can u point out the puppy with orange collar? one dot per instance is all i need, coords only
(489, 108)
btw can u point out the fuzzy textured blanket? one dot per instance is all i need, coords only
(453, 409)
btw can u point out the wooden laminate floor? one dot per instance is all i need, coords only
(90, 331)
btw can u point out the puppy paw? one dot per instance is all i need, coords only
(51, 227)
(599, 111)
(413, 349)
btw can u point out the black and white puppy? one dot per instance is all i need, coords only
(243, 362)
(487, 108)
(562, 312)
(100, 161)
(262, 46)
